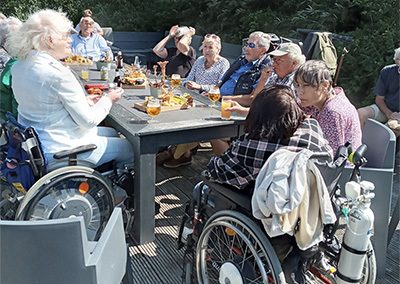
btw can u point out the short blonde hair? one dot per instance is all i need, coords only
(211, 39)
(34, 33)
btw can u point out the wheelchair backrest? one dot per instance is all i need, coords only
(24, 162)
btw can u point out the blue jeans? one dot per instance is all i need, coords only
(110, 147)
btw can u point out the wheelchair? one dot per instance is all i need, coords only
(32, 190)
(224, 243)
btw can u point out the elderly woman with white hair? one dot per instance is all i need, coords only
(7, 101)
(209, 68)
(181, 57)
(51, 98)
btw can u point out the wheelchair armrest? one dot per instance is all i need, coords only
(75, 151)
(241, 198)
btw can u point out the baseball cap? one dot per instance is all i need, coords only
(286, 48)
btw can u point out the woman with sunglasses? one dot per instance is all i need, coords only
(181, 57)
(209, 68)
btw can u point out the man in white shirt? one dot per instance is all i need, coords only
(90, 44)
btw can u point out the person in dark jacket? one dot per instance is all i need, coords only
(243, 75)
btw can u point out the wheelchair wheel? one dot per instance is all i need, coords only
(70, 191)
(369, 269)
(233, 249)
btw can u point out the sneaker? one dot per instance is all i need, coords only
(182, 161)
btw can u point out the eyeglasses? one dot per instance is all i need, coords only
(213, 36)
(250, 45)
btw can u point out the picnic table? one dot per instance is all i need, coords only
(199, 123)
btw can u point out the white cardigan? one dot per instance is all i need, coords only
(290, 187)
(51, 99)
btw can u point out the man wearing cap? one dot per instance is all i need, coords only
(286, 59)
(243, 75)
(89, 44)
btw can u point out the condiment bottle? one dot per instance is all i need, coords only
(117, 79)
(120, 60)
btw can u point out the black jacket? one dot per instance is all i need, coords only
(246, 81)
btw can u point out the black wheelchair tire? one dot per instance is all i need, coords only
(54, 180)
(239, 223)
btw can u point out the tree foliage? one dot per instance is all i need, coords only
(374, 25)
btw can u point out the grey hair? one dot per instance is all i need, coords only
(396, 54)
(35, 32)
(86, 17)
(264, 39)
(8, 26)
(313, 72)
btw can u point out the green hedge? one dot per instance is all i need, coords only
(374, 25)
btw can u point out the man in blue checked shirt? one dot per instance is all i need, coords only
(89, 44)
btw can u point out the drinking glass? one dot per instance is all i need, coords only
(176, 81)
(153, 108)
(213, 95)
(85, 74)
(225, 114)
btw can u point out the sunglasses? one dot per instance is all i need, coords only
(213, 36)
(250, 45)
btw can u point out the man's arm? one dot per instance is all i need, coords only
(380, 102)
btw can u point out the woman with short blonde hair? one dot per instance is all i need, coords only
(209, 68)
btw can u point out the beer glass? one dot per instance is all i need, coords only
(213, 95)
(85, 74)
(176, 81)
(153, 108)
(225, 114)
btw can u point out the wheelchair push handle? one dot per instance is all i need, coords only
(358, 159)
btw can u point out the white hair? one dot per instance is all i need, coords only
(264, 39)
(298, 59)
(396, 54)
(8, 26)
(35, 32)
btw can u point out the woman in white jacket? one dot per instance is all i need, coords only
(52, 100)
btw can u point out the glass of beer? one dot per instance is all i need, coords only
(176, 81)
(85, 74)
(225, 114)
(153, 107)
(213, 95)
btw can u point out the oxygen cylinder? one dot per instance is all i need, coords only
(359, 229)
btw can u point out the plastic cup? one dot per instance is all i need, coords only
(225, 114)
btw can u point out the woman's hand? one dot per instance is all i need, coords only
(172, 31)
(193, 85)
(115, 94)
(236, 107)
(93, 99)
